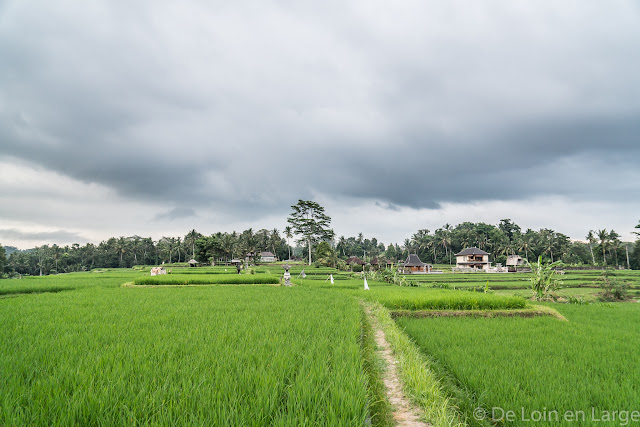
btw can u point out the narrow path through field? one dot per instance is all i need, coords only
(404, 413)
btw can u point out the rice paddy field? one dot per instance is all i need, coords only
(208, 346)
(587, 367)
(167, 356)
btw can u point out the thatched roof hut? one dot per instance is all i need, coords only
(413, 264)
(354, 260)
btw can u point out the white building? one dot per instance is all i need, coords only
(267, 257)
(472, 259)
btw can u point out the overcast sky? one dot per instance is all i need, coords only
(156, 117)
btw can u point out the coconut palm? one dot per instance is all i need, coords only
(614, 244)
(592, 240)
(121, 247)
(288, 232)
(227, 243)
(603, 236)
(274, 240)
(190, 239)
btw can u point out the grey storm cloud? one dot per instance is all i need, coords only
(52, 236)
(253, 105)
(176, 213)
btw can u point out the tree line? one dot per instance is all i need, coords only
(125, 252)
(601, 248)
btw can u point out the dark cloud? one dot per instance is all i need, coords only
(244, 110)
(176, 213)
(388, 206)
(51, 236)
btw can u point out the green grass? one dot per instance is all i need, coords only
(540, 364)
(406, 298)
(420, 382)
(208, 279)
(174, 356)
(102, 354)
(381, 410)
(64, 282)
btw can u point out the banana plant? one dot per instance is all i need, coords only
(543, 281)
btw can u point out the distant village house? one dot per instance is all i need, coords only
(413, 265)
(472, 259)
(354, 260)
(267, 257)
(515, 260)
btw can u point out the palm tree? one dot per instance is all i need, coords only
(482, 240)
(603, 236)
(134, 243)
(178, 247)
(56, 251)
(227, 242)
(591, 239)
(274, 239)
(547, 237)
(525, 244)
(167, 244)
(288, 232)
(191, 237)
(249, 243)
(445, 240)
(121, 247)
(615, 243)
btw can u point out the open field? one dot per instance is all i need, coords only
(540, 364)
(80, 348)
(208, 279)
(210, 356)
(407, 298)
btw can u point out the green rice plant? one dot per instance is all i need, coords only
(420, 382)
(230, 279)
(19, 288)
(381, 412)
(193, 356)
(397, 298)
(587, 364)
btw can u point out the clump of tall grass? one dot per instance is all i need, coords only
(442, 299)
(390, 275)
(229, 279)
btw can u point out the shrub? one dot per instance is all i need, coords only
(612, 289)
(542, 281)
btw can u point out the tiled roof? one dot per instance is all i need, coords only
(472, 251)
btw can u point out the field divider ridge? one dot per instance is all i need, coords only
(418, 380)
(534, 311)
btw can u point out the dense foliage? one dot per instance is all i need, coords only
(601, 248)
(135, 250)
(440, 246)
